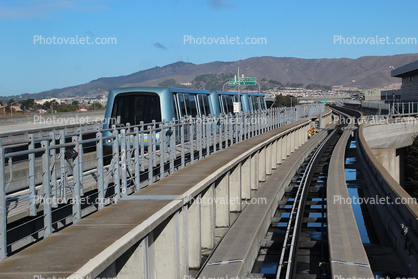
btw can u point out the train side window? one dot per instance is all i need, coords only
(221, 104)
(175, 107)
(193, 108)
(201, 105)
(183, 110)
(255, 103)
(206, 102)
(260, 99)
(225, 104)
(187, 103)
(231, 103)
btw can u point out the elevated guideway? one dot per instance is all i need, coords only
(154, 221)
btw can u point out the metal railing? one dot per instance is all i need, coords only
(64, 181)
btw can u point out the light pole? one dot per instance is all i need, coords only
(11, 108)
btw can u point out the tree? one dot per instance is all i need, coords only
(168, 82)
(27, 104)
(95, 106)
(263, 79)
(46, 105)
(10, 102)
(276, 82)
(285, 101)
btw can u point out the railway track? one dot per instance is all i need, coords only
(296, 244)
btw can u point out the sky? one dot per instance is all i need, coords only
(106, 38)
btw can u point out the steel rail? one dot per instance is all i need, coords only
(296, 214)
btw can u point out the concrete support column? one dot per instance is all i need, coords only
(164, 248)
(132, 264)
(222, 208)
(292, 142)
(254, 171)
(300, 137)
(235, 189)
(274, 155)
(262, 164)
(194, 235)
(208, 218)
(279, 151)
(297, 138)
(268, 159)
(284, 148)
(246, 179)
(183, 247)
(288, 140)
(390, 160)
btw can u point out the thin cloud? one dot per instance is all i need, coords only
(218, 4)
(21, 10)
(160, 46)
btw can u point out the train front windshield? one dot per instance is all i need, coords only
(136, 107)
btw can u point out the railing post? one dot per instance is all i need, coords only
(53, 155)
(219, 123)
(80, 159)
(129, 149)
(32, 174)
(46, 189)
(116, 174)
(226, 127)
(100, 175)
(199, 137)
(163, 149)
(208, 135)
(172, 146)
(76, 179)
(231, 130)
(214, 129)
(154, 145)
(124, 169)
(191, 139)
(136, 159)
(183, 159)
(63, 169)
(150, 157)
(142, 138)
(3, 206)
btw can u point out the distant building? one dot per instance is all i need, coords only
(16, 108)
(372, 94)
(391, 96)
(409, 88)
(41, 102)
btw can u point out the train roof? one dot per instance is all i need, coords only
(159, 90)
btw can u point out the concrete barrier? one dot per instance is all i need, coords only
(400, 219)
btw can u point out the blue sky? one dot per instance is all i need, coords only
(152, 33)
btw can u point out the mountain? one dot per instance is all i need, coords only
(363, 72)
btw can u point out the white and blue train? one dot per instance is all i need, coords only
(134, 105)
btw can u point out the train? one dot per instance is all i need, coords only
(134, 105)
